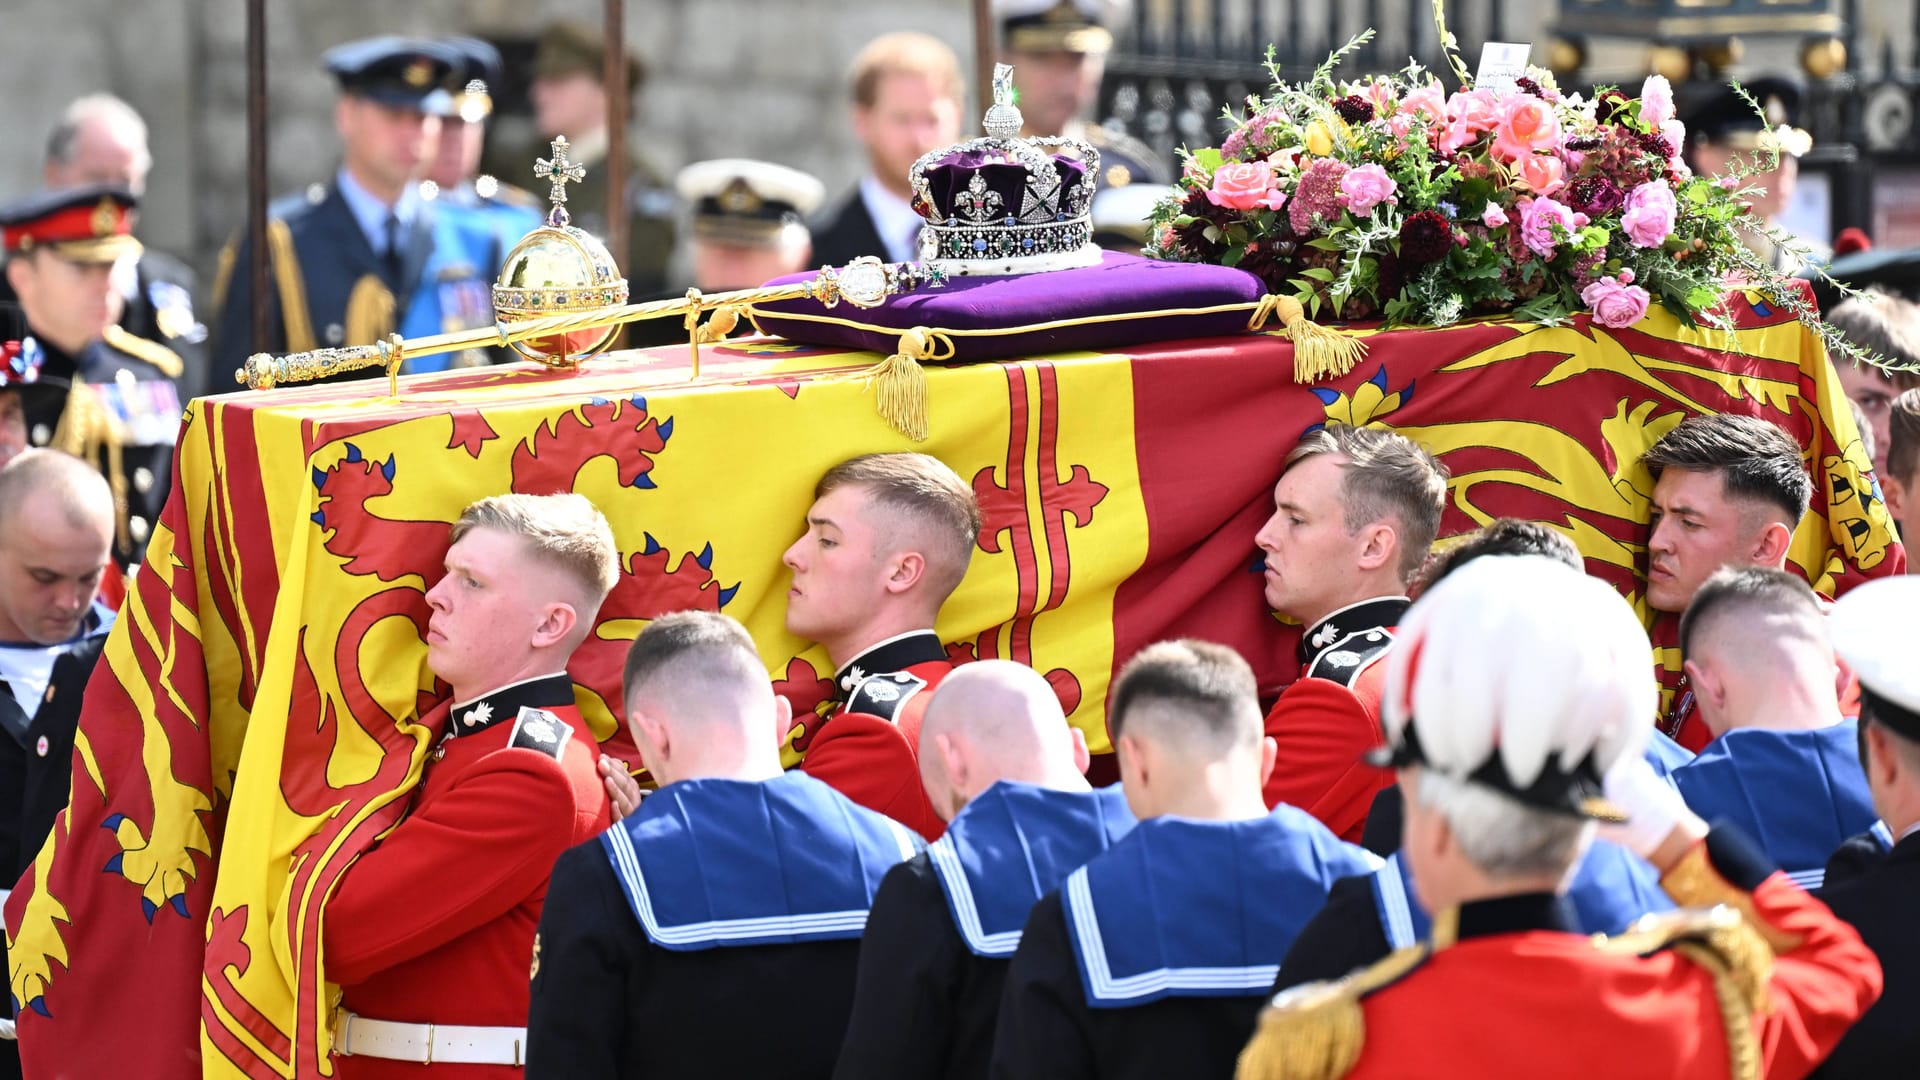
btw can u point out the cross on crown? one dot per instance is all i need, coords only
(560, 171)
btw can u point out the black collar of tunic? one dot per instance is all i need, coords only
(1380, 613)
(1515, 914)
(894, 654)
(504, 705)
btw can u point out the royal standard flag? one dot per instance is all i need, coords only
(254, 725)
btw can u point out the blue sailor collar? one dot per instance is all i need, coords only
(505, 704)
(1013, 844)
(1748, 774)
(1376, 616)
(713, 863)
(897, 653)
(1185, 908)
(1611, 888)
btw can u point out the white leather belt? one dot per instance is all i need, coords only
(358, 1036)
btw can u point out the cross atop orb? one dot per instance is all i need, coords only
(560, 171)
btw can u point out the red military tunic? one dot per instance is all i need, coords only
(435, 925)
(869, 749)
(1330, 716)
(1512, 992)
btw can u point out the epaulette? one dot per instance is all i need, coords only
(1315, 1031)
(1720, 941)
(538, 729)
(1134, 159)
(162, 358)
(1343, 661)
(884, 694)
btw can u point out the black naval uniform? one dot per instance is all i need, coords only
(159, 308)
(1879, 904)
(133, 381)
(36, 765)
(610, 1000)
(928, 1000)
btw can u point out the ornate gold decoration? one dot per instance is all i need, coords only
(106, 218)
(1316, 1031)
(560, 172)
(865, 283)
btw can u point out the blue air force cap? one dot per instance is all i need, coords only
(407, 73)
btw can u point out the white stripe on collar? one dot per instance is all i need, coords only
(626, 865)
(946, 863)
(1396, 907)
(1257, 978)
(841, 671)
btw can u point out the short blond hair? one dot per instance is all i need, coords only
(1386, 475)
(924, 490)
(903, 53)
(565, 531)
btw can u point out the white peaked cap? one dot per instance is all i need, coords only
(1522, 673)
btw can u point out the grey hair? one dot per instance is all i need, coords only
(66, 131)
(1501, 835)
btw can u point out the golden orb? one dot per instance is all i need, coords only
(558, 269)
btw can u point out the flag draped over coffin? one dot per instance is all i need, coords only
(254, 723)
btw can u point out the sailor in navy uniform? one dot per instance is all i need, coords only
(715, 930)
(946, 922)
(1154, 958)
(1784, 764)
(106, 395)
(1874, 632)
(348, 257)
(47, 650)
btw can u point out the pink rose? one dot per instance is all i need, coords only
(1656, 102)
(1428, 99)
(1477, 110)
(1614, 303)
(1649, 216)
(1243, 185)
(1526, 124)
(1366, 187)
(1542, 172)
(1537, 219)
(1494, 217)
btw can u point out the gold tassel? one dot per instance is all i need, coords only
(1317, 1041)
(1319, 352)
(725, 318)
(900, 383)
(1737, 1008)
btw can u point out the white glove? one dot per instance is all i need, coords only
(1654, 808)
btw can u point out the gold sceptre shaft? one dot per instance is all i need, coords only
(865, 282)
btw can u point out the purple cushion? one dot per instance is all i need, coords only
(1120, 285)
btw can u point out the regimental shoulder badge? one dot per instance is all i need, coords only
(884, 694)
(1350, 656)
(538, 729)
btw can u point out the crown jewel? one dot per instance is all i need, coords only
(1003, 204)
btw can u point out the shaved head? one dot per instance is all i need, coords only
(699, 702)
(996, 720)
(1753, 638)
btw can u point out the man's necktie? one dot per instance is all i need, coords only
(393, 253)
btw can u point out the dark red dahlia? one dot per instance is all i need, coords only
(1425, 237)
(1613, 106)
(1354, 109)
(1528, 86)
(1654, 143)
(1595, 195)
(1584, 143)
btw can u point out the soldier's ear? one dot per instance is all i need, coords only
(1379, 545)
(557, 621)
(1770, 548)
(1081, 757)
(909, 567)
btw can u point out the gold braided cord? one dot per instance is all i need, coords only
(371, 310)
(1736, 1012)
(88, 431)
(293, 288)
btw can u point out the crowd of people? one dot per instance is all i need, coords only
(1470, 802)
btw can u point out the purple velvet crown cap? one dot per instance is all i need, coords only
(1006, 180)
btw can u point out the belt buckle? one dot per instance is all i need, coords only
(343, 1037)
(429, 1060)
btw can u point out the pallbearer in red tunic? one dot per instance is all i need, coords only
(1501, 753)
(1354, 513)
(430, 933)
(887, 541)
